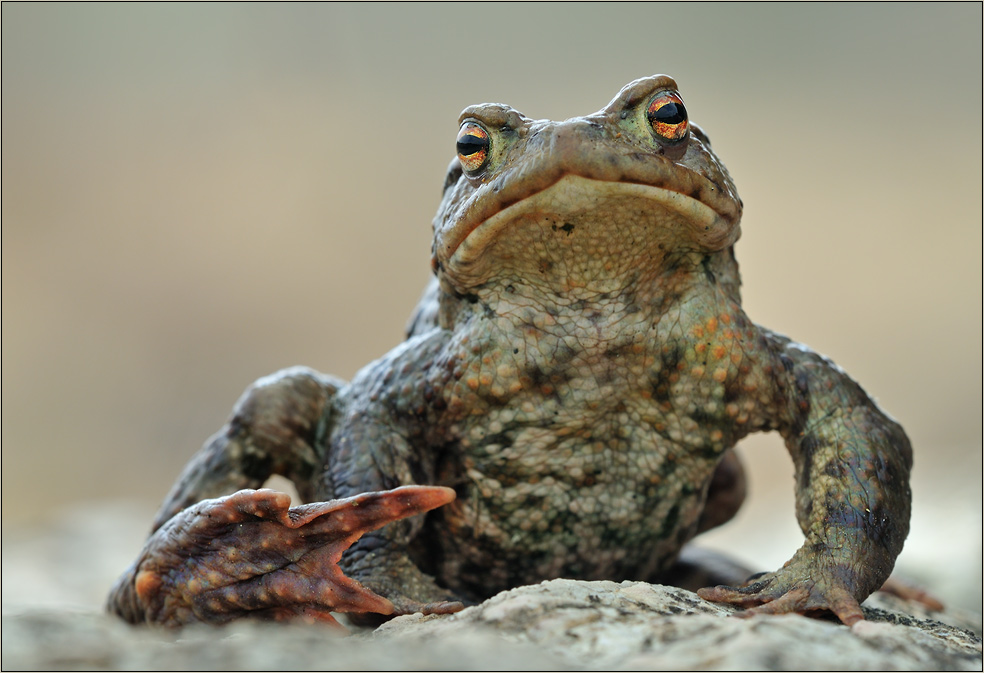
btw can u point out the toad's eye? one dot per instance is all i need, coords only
(668, 117)
(473, 147)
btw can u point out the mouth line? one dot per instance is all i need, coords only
(572, 191)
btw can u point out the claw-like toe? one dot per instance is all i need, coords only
(779, 595)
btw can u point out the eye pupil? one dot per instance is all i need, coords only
(473, 147)
(667, 117)
(468, 145)
(670, 113)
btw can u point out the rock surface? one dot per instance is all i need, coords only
(634, 625)
(561, 624)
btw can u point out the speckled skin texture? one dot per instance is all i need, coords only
(577, 372)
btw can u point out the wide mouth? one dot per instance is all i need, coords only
(578, 197)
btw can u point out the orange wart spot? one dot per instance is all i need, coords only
(147, 583)
(485, 379)
(700, 348)
(472, 382)
(719, 351)
(725, 318)
(697, 331)
(720, 374)
(731, 409)
(712, 324)
(546, 389)
(505, 371)
(697, 372)
(716, 435)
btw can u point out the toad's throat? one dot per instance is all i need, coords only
(575, 196)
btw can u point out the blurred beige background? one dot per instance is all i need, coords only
(197, 195)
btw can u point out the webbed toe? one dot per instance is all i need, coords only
(251, 554)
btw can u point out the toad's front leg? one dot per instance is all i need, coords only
(852, 491)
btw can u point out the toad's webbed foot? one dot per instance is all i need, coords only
(781, 592)
(251, 554)
(802, 586)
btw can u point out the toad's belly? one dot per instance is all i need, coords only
(543, 507)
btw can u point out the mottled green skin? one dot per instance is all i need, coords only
(576, 371)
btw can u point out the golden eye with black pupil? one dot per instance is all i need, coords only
(473, 147)
(668, 117)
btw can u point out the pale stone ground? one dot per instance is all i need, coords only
(54, 583)
(561, 624)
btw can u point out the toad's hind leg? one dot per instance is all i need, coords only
(696, 567)
(725, 494)
(247, 554)
(273, 429)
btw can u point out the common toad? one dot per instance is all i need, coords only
(565, 402)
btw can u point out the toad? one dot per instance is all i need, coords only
(565, 405)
